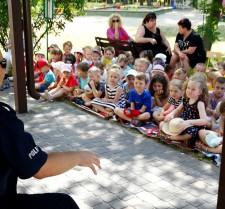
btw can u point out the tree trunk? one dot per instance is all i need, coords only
(211, 23)
(125, 2)
(109, 1)
(149, 3)
(141, 2)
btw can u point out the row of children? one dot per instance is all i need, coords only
(143, 88)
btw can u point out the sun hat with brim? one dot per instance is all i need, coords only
(213, 140)
(39, 52)
(66, 67)
(131, 72)
(158, 67)
(172, 127)
(79, 51)
(161, 56)
(57, 65)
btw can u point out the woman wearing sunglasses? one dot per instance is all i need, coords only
(151, 37)
(115, 30)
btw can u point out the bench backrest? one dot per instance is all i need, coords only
(119, 46)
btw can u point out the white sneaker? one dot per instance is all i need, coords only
(48, 96)
(42, 95)
(10, 79)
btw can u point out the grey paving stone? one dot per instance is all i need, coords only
(147, 197)
(102, 206)
(93, 201)
(118, 204)
(108, 197)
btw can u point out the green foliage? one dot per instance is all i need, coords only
(211, 12)
(3, 23)
(64, 11)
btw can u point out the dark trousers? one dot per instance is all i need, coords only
(39, 201)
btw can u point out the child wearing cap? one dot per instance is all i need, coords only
(122, 61)
(78, 53)
(129, 85)
(46, 76)
(65, 86)
(57, 72)
(37, 56)
(140, 100)
(96, 54)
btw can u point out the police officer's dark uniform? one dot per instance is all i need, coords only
(21, 157)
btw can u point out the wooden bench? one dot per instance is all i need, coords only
(119, 46)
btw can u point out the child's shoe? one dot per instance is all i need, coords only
(48, 96)
(136, 123)
(80, 101)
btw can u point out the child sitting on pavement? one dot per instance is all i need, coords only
(67, 47)
(57, 72)
(65, 86)
(174, 100)
(82, 75)
(114, 96)
(94, 88)
(216, 96)
(129, 85)
(140, 100)
(46, 76)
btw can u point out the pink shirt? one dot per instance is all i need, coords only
(123, 35)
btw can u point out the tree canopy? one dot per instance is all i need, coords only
(64, 11)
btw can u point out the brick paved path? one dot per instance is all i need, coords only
(137, 172)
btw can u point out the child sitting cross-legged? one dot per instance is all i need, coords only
(46, 76)
(140, 100)
(82, 75)
(66, 84)
(94, 88)
(114, 96)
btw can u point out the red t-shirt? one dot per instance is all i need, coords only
(72, 81)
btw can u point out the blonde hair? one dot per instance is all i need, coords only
(87, 48)
(213, 74)
(68, 43)
(180, 71)
(176, 82)
(222, 107)
(94, 71)
(122, 58)
(111, 19)
(198, 78)
(144, 61)
(115, 69)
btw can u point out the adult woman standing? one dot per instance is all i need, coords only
(188, 48)
(115, 30)
(151, 37)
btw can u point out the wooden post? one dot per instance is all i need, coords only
(16, 29)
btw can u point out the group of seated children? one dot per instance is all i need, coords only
(188, 108)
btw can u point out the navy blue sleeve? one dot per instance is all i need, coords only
(18, 147)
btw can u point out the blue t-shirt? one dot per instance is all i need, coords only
(83, 82)
(139, 100)
(49, 77)
(19, 155)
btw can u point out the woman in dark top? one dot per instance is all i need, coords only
(188, 48)
(151, 37)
